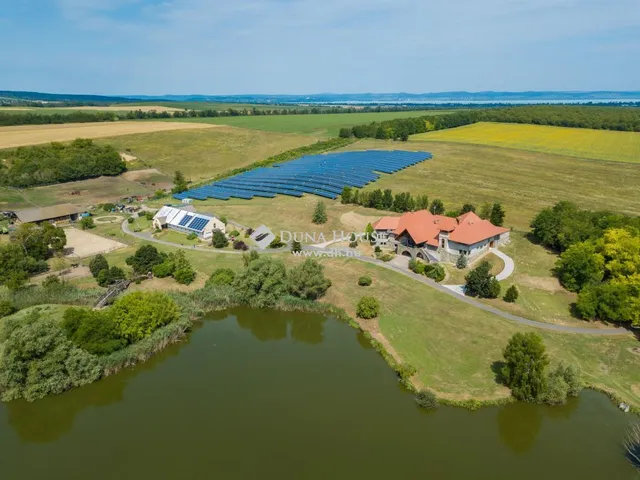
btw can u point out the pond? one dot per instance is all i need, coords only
(275, 395)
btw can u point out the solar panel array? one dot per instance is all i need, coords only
(323, 175)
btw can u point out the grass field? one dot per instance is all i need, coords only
(453, 345)
(574, 142)
(202, 153)
(323, 124)
(92, 191)
(525, 182)
(17, 136)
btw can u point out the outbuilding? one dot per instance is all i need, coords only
(55, 213)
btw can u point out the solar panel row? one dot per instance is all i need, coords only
(323, 175)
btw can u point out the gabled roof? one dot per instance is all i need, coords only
(179, 217)
(47, 213)
(387, 223)
(472, 229)
(424, 227)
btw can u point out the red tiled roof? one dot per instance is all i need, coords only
(387, 223)
(424, 227)
(472, 229)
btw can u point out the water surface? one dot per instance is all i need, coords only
(275, 395)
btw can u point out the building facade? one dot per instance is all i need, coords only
(436, 238)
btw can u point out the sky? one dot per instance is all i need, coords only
(153, 47)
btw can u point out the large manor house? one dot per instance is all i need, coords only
(437, 238)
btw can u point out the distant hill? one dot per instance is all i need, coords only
(440, 98)
(11, 97)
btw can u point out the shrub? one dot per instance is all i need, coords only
(405, 371)
(234, 233)
(307, 280)
(262, 283)
(145, 258)
(87, 223)
(184, 276)
(562, 382)
(108, 207)
(51, 281)
(97, 264)
(109, 276)
(426, 399)
(511, 295)
(435, 271)
(93, 331)
(130, 220)
(365, 281)
(249, 232)
(319, 213)
(480, 282)
(47, 364)
(386, 257)
(221, 276)
(524, 369)
(296, 246)
(219, 239)
(162, 270)
(276, 243)
(224, 220)
(240, 245)
(138, 314)
(7, 308)
(148, 215)
(377, 249)
(461, 262)
(192, 236)
(368, 307)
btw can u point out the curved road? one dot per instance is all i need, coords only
(419, 278)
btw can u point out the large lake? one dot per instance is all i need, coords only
(272, 395)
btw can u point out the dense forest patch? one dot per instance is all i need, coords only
(57, 162)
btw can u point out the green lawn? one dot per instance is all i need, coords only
(574, 142)
(454, 345)
(326, 124)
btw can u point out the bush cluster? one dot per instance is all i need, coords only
(524, 372)
(368, 307)
(480, 282)
(364, 281)
(435, 271)
(600, 259)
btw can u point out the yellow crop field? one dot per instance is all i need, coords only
(573, 142)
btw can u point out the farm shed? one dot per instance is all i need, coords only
(55, 213)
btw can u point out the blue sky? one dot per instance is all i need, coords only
(314, 46)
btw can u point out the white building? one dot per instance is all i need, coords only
(185, 221)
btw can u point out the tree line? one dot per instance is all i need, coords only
(404, 202)
(599, 259)
(602, 118)
(34, 118)
(57, 162)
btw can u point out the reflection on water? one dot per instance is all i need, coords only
(266, 394)
(48, 419)
(280, 325)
